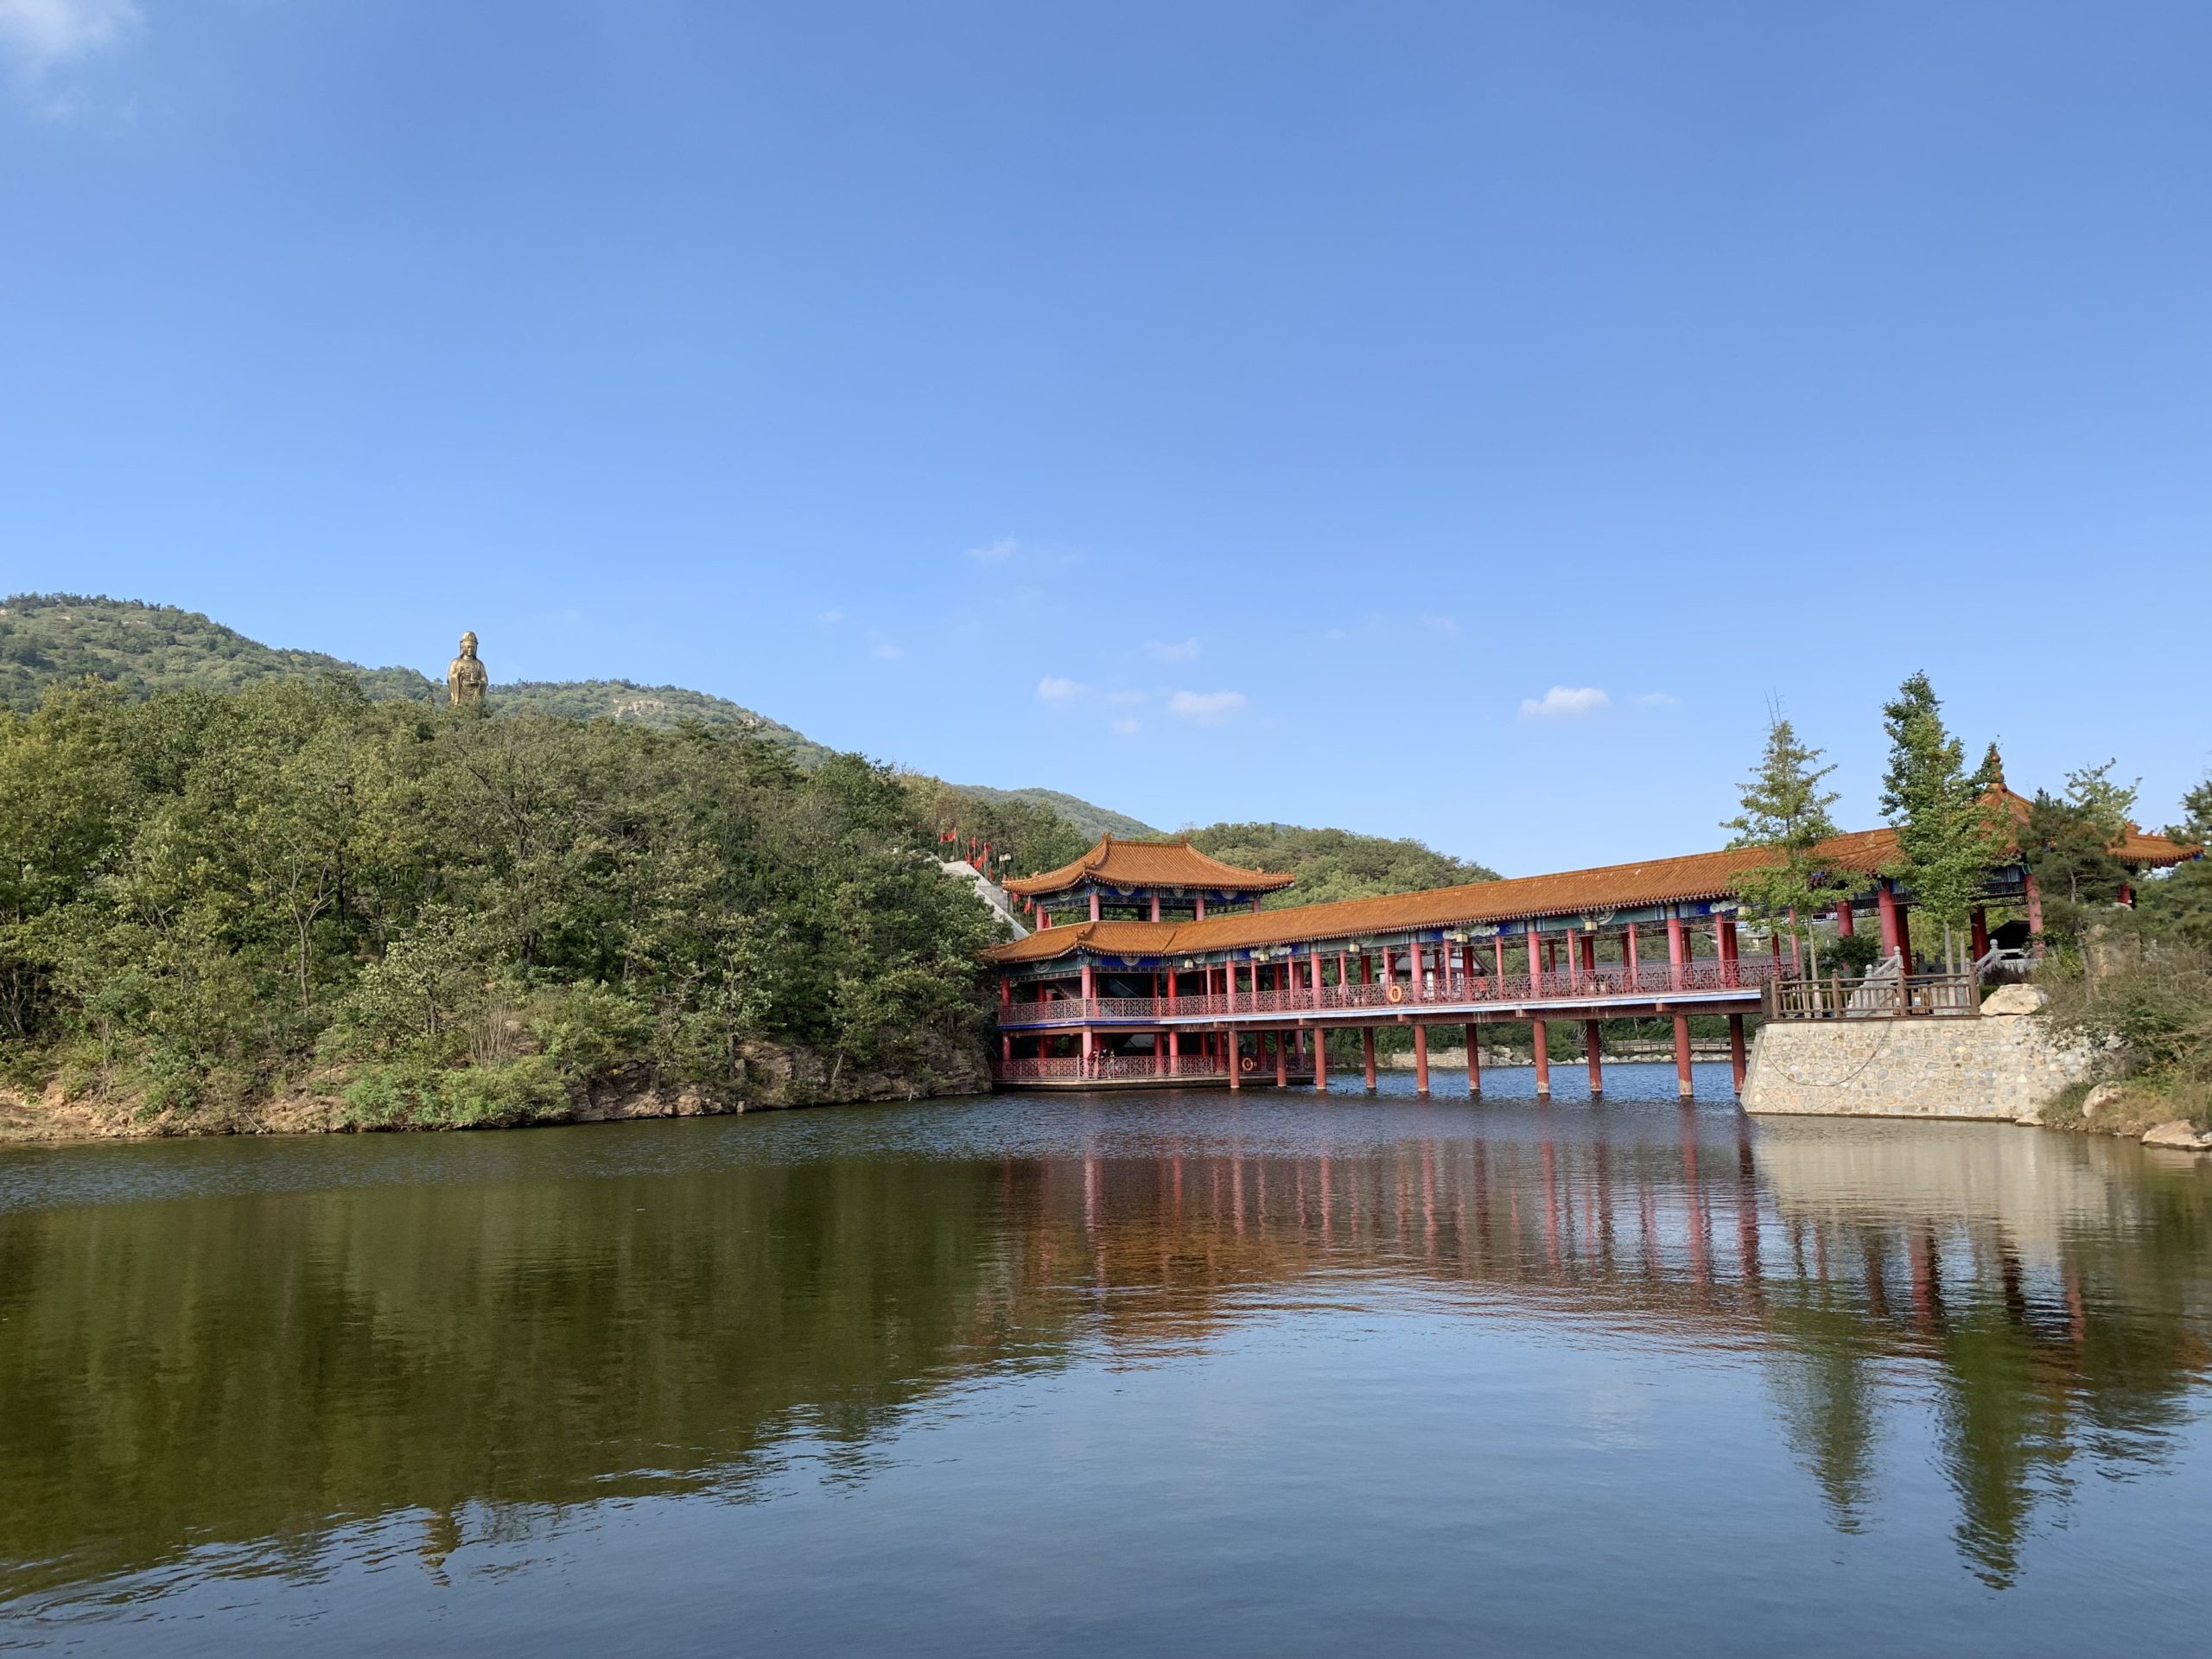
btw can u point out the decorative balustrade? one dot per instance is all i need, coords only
(1878, 996)
(1611, 982)
(1072, 1068)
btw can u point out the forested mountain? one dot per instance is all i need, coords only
(1335, 863)
(1089, 820)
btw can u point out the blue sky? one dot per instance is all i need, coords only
(1450, 420)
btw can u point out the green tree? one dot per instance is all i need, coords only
(1786, 815)
(1948, 836)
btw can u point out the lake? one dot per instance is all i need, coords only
(1178, 1372)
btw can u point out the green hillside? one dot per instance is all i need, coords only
(1092, 821)
(1335, 863)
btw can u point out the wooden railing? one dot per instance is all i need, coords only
(1613, 981)
(1878, 996)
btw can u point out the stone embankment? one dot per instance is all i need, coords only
(2004, 1067)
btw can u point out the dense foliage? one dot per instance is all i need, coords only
(1786, 815)
(1332, 864)
(1948, 836)
(204, 898)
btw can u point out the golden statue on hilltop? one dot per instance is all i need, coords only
(466, 679)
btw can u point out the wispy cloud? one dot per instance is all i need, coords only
(889, 652)
(1445, 626)
(1564, 702)
(996, 552)
(830, 617)
(1126, 728)
(1206, 708)
(1658, 700)
(1053, 688)
(40, 35)
(1181, 651)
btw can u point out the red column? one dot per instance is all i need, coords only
(1736, 1049)
(1320, 1061)
(2034, 915)
(1981, 921)
(1282, 1059)
(1228, 1047)
(1229, 985)
(1683, 1085)
(1597, 1068)
(1155, 906)
(1499, 942)
(1628, 958)
(1886, 899)
(1843, 920)
(1727, 943)
(1677, 950)
(1420, 1058)
(1367, 1055)
(1540, 1041)
(1474, 1062)
(1536, 961)
(1094, 906)
(1202, 908)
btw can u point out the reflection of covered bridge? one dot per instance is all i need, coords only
(1170, 971)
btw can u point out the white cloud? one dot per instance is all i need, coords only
(1205, 708)
(1053, 688)
(1658, 700)
(1448, 626)
(1185, 651)
(831, 617)
(889, 652)
(996, 552)
(40, 33)
(1125, 698)
(1565, 701)
(1124, 727)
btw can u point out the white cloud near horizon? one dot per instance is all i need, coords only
(1564, 702)
(1206, 708)
(1054, 688)
(1181, 651)
(43, 34)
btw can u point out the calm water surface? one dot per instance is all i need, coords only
(1176, 1373)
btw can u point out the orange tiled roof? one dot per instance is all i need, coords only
(1148, 864)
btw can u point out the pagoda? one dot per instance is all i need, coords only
(1145, 881)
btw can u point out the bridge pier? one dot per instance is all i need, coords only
(1736, 1049)
(1684, 1087)
(1367, 1054)
(1420, 1059)
(1540, 1041)
(1597, 1066)
(1320, 1061)
(1474, 1057)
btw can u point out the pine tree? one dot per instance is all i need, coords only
(1786, 815)
(1948, 837)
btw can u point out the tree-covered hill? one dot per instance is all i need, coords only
(1088, 819)
(1336, 863)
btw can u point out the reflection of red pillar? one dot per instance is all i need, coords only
(1367, 1056)
(1590, 1043)
(1981, 921)
(1683, 1087)
(1420, 1059)
(2035, 912)
(1885, 900)
(1736, 1049)
(1540, 1041)
(1474, 1064)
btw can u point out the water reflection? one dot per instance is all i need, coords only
(227, 1382)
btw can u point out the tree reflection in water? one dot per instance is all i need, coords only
(259, 1371)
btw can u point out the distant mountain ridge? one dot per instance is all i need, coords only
(47, 638)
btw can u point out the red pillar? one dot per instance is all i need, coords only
(1677, 950)
(1540, 1041)
(2034, 915)
(1202, 908)
(1094, 906)
(1886, 899)
(1420, 1058)
(1320, 1061)
(1535, 962)
(1474, 1062)
(1282, 1059)
(1843, 920)
(1981, 921)
(1683, 1085)
(1597, 1066)
(1367, 1055)
(1736, 1063)
(1155, 906)
(1499, 942)
(1628, 958)
(1727, 943)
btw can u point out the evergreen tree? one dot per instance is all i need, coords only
(1786, 815)
(1948, 836)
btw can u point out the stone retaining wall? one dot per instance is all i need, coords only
(2002, 1066)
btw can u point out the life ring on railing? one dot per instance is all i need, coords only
(1396, 993)
(1248, 1064)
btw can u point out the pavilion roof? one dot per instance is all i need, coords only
(1689, 878)
(1135, 864)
